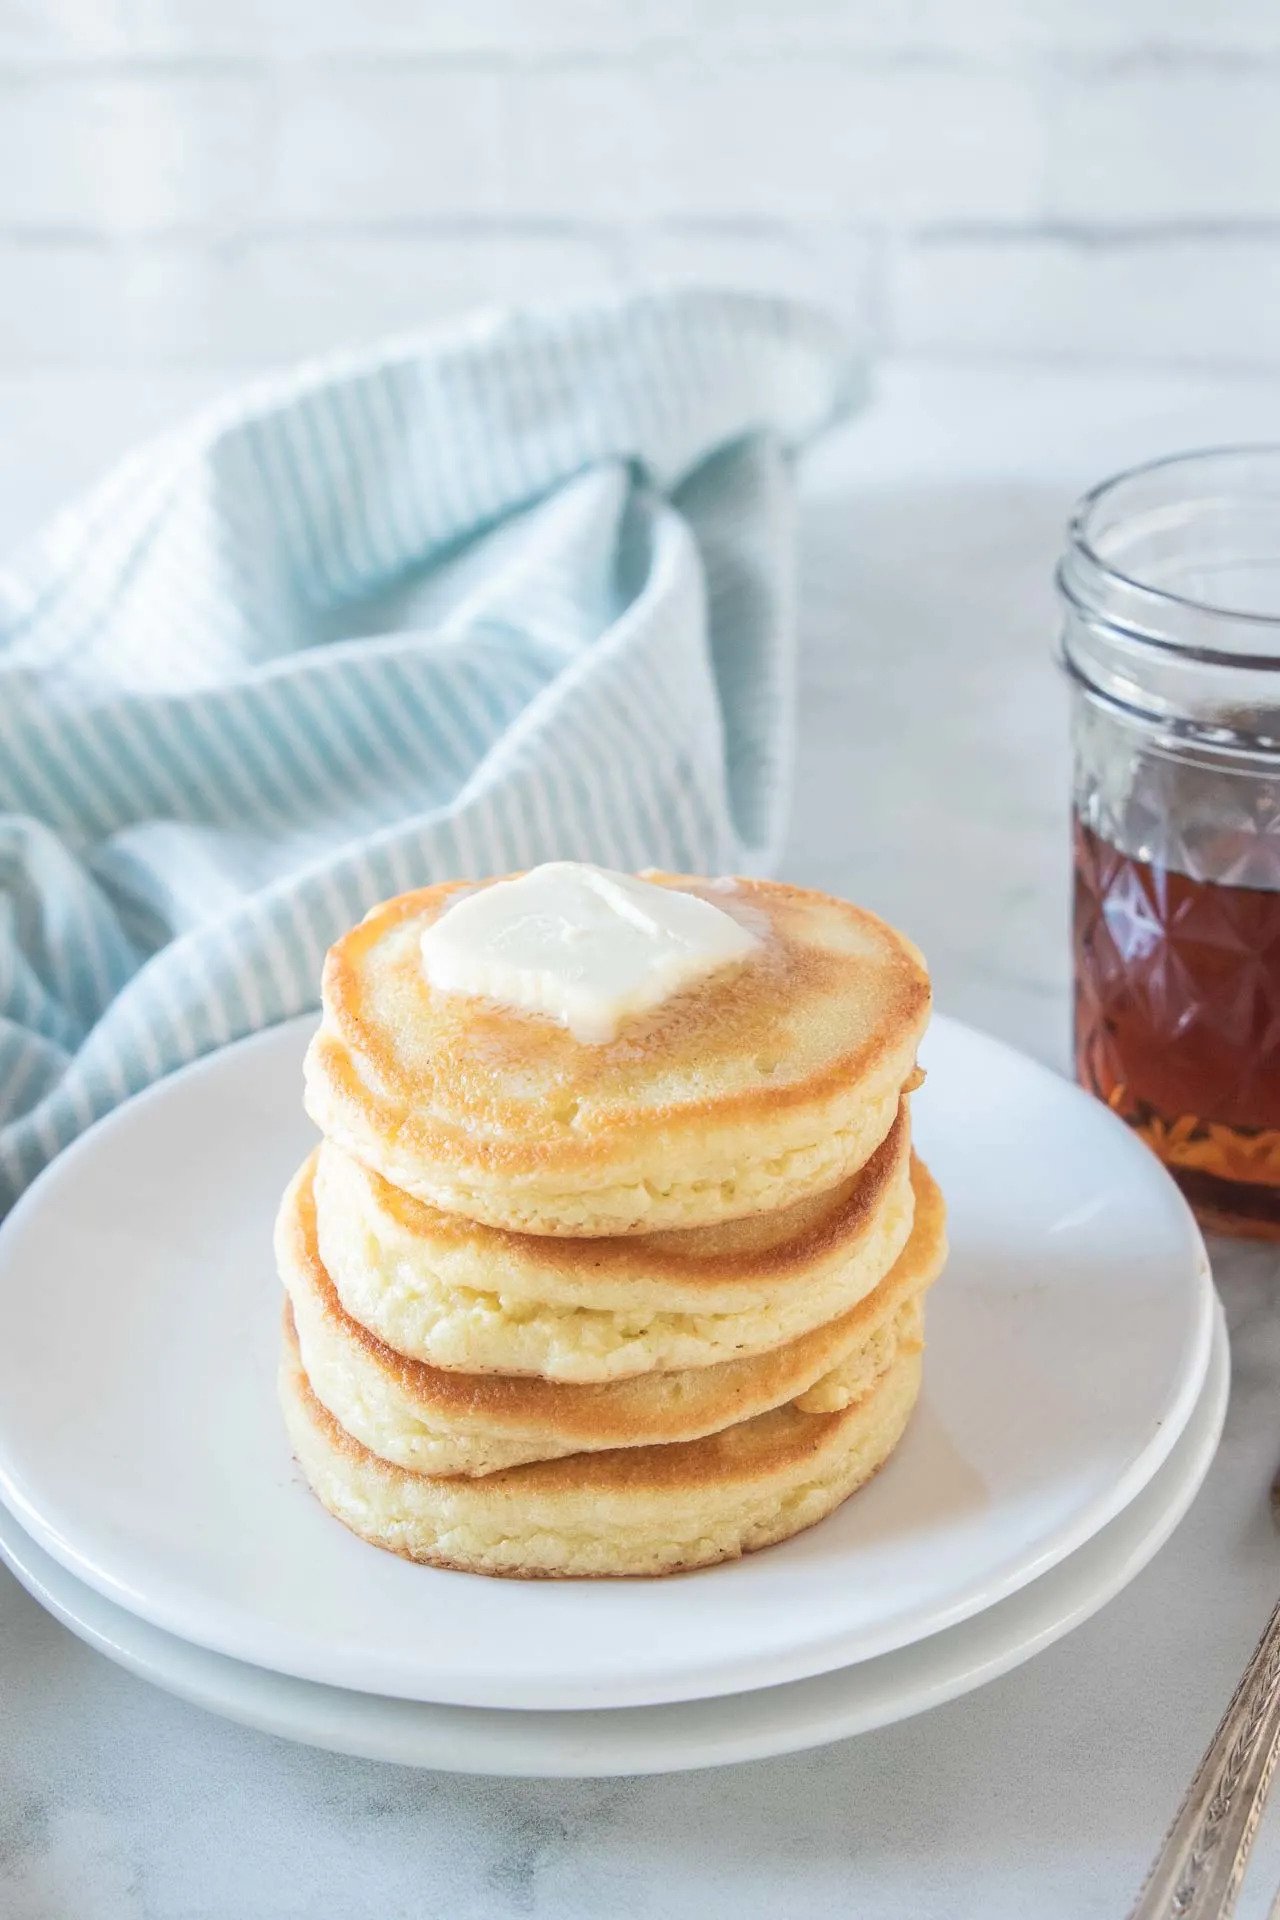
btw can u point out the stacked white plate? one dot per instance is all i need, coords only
(1074, 1392)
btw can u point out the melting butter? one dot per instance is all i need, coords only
(588, 947)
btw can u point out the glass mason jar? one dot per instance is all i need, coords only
(1171, 583)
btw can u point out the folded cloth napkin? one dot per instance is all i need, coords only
(452, 605)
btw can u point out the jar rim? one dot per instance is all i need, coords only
(1080, 534)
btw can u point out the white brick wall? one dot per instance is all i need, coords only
(212, 181)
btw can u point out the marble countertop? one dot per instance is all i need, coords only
(932, 783)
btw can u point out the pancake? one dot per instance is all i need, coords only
(438, 1422)
(477, 1299)
(635, 1510)
(772, 1079)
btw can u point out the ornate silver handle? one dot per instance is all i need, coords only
(1197, 1873)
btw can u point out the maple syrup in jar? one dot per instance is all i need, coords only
(1172, 639)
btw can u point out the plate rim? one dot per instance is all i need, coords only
(435, 1737)
(683, 1680)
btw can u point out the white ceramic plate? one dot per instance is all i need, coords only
(141, 1446)
(699, 1733)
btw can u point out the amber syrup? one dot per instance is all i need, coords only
(1177, 1025)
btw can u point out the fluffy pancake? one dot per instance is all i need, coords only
(438, 1422)
(635, 1510)
(773, 1079)
(481, 1300)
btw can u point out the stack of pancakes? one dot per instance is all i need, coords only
(558, 1308)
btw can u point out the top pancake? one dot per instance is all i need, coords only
(768, 1081)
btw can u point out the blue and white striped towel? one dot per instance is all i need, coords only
(449, 606)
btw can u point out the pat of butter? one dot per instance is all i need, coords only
(586, 946)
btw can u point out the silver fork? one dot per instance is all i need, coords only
(1197, 1873)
